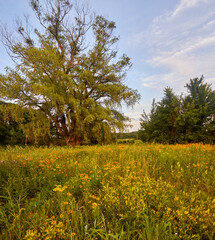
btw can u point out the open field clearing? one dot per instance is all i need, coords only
(108, 192)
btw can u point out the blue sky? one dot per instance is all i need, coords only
(168, 41)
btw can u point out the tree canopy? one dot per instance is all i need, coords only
(182, 119)
(69, 72)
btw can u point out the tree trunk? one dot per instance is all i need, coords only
(73, 141)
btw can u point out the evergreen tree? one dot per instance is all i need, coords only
(160, 124)
(197, 122)
(181, 120)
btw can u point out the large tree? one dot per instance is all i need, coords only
(77, 83)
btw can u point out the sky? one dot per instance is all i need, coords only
(169, 43)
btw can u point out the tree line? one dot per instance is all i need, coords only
(181, 119)
(186, 118)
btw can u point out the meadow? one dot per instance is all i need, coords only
(138, 191)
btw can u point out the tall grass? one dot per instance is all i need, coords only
(108, 192)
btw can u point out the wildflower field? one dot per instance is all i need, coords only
(140, 191)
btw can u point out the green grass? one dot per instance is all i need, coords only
(108, 192)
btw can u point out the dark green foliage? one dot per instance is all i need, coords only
(10, 132)
(182, 119)
(197, 123)
(19, 126)
(129, 135)
(126, 141)
(159, 125)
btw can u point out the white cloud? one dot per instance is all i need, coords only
(184, 4)
(196, 56)
(160, 81)
(181, 47)
(210, 23)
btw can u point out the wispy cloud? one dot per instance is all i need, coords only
(184, 4)
(160, 81)
(180, 44)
